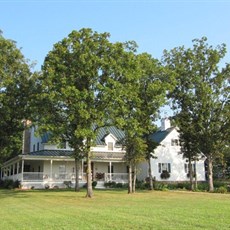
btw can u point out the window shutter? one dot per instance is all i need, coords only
(159, 167)
(186, 168)
(169, 167)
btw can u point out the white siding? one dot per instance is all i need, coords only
(166, 153)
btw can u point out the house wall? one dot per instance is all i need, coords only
(166, 153)
(102, 167)
(35, 141)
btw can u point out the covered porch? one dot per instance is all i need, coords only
(43, 172)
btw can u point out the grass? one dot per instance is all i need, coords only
(50, 209)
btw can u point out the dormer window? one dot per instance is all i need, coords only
(110, 145)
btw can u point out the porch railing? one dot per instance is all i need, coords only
(117, 177)
(41, 176)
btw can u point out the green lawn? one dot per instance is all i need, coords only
(49, 209)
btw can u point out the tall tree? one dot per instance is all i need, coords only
(16, 86)
(79, 88)
(202, 96)
(154, 86)
(142, 95)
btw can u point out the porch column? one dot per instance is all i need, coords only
(13, 171)
(110, 170)
(51, 169)
(22, 170)
(17, 167)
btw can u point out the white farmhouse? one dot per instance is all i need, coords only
(168, 157)
(45, 164)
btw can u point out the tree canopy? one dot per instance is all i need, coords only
(79, 88)
(16, 84)
(201, 99)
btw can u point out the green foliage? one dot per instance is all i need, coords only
(200, 99)
(113, 184)
(221, 189)
(68, 184)
(16, 90)
(9, 184)
(94, 184)
(81, 83)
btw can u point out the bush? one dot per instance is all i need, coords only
(221, 189)
(94, 184)
(47, 186)
(202, 187)
(17, 184)
(68, 184)
(119, 185)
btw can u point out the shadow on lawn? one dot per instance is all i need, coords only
(22, 193)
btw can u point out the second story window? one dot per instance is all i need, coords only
(175, 142)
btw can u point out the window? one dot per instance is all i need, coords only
(38, 146)
(175, 142)
(110, 145)
(164, 167)
(62, 169)
(62, 145)
(33, 148)
(186, 168)
(111, 169)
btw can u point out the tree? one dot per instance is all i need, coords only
(16, 87)
(154, 86)
(202, 96)
(79, 88)
(142, 94)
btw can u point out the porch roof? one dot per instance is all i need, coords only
(52, 153)
(96, 156)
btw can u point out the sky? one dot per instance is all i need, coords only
(155, 25)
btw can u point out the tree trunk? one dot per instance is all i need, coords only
(195, 185)
(77, 187)
(190, 173)
(89, 177)
(130, 179)
(134, 178)
(150, 174)
(210, 174)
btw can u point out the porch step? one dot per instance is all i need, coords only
(100, 185)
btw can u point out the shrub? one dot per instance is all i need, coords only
(47, 186)
(221, 189)
(8, 184)
(94, 184)
(119, 185)
(17, 184)
(202, 187)
(68, 184)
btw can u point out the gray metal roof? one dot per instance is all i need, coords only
(103, 132)
(100, 139)
(159, 136)
(52, 153)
